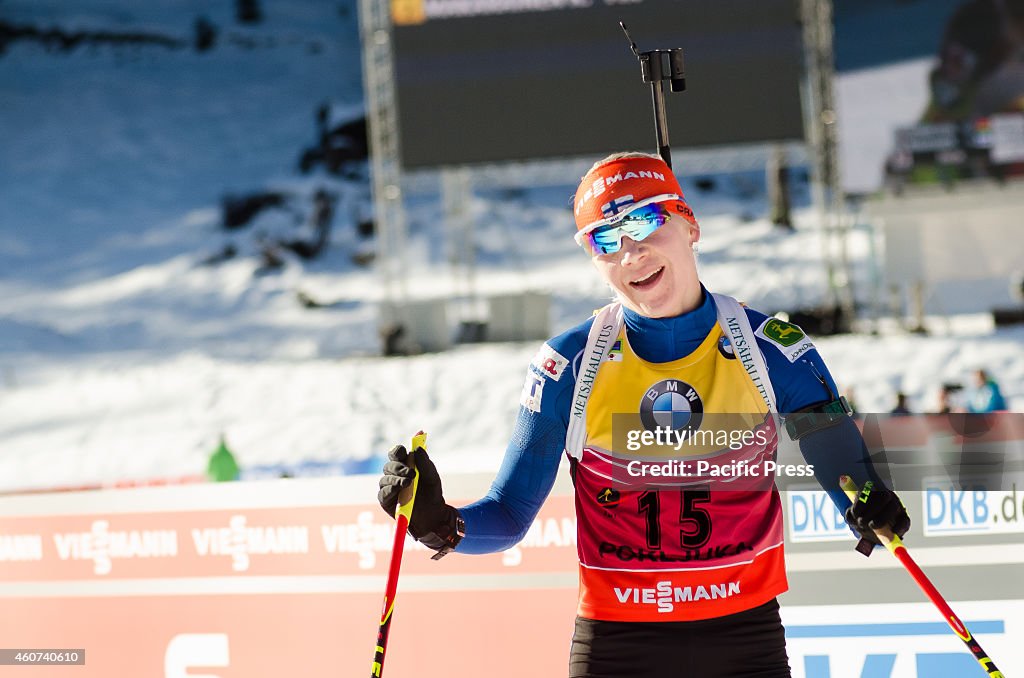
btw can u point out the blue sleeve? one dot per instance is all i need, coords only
(839, 450)
(804, 382)
(502, 518)
(798, 384)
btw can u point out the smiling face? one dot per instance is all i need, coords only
(656, 277)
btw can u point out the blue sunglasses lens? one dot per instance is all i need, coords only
(637, 225)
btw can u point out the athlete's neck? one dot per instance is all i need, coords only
(660, 340)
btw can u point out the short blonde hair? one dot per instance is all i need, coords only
(619, 156)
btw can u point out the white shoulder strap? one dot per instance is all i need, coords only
(603, 332)
(736, 326)
(605, 329)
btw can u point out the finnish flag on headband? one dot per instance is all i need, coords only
(610, 209)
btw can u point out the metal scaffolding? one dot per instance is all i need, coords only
(385, 165)
(822, 136)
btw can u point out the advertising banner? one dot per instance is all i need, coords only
(286, 577)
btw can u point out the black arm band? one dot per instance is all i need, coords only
(817, 417)
(447, 536)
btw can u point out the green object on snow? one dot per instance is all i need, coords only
(222, 466)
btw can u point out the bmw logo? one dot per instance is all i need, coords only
(725, 348)
(674, 404)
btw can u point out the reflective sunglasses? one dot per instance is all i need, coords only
(605, 236)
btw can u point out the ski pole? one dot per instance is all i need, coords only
(403, 514)
(895, 545)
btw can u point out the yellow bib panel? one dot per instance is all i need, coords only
(699, 539)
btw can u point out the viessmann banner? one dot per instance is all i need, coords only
(301, 541)
(287, 578)
(260, 579)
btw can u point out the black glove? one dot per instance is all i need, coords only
(434, 523)
(876, 508)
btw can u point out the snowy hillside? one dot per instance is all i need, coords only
(129, 340)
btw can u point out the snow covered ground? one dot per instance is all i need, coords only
(123, 357)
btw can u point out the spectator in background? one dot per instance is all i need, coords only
(222, 466)
(987, 397)
(901, 404)
(948, 400)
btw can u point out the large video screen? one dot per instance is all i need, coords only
(498, 80)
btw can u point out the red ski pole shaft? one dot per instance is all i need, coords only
(403, 514)
(895, 545)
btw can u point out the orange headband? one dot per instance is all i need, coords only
(613, 187)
